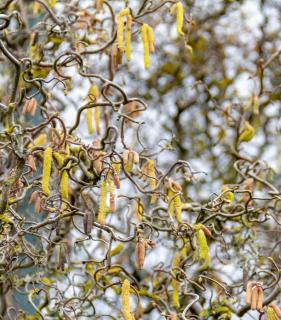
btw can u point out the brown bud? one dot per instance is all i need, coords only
(260, 298)
(97, 156)
(206, 230)
(31, 163)
(116, 181)
(112, 202)
(33, 197)
(276, 309)
(140, 253)
(38, 205)
(254, 302)
(30, 106)
(33, 38)
(88, 222)
(33, 107)
(249, 292)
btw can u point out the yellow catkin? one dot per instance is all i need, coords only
(175, 284)
(124, 12)
(204, 253)
(47, 165)
(102, 204)
(178, 207)
(99, 4)
(116, 167)
(139, 210)
(94, 93)
(150, 37)
(116, 250)
(36, 7)
(248, 132)
(126, 309)
(171, 204)
(144, 35)
(180, 14)
(39, 141)
(270, 314)
(58, 157)
(128, 37)
(120, 28)
(89, 118)
(64, 180)
(176, 298)
(152, 179)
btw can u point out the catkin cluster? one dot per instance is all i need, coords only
(107, 187)
(120, 32)
(64, 185)
(254, 295)
(148, 44)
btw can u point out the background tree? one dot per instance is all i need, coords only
(139, 159)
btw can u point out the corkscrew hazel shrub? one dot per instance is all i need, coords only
(139, 179)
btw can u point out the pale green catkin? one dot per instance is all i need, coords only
(47, 165)
(204, 253)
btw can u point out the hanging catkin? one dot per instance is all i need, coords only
(270, 314)
(102, 202)
(175, 284)
(152, 179)
(47, 165)
(150, 37)
(94, 96)
(180, 14)
(255, 292)
(64, 179)
(126, 309)
(128, 37)
(276, 309)
(140, 253)
(178, 207)
(144, 35)
(204, 253)
(171, 207)
(249, 292)
(120, 28)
